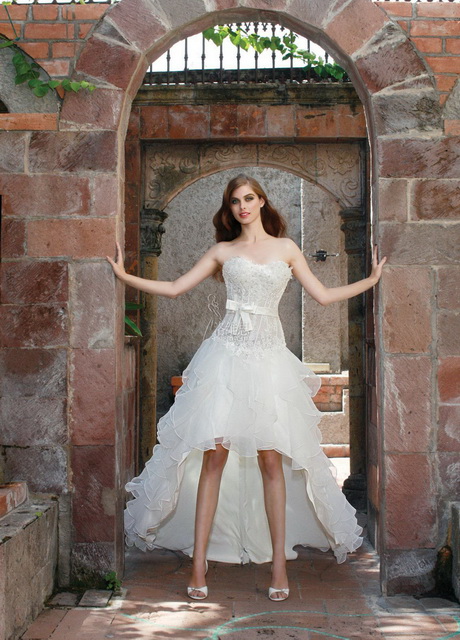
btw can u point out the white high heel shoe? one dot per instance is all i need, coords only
(204, 590)
(273, 590)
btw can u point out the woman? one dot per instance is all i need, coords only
(245, 405)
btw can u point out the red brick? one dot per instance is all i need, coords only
(389, 65)
(449, 379)
(449, 433)
(452, 127)
(431, 158)
(13, 238)
(16, 12)
(187, 121)
(133, 131)
(453, 45)
(28, 121)
(42, 325)
(448, 333)
(33, 372)
(404, 24)
(69, 151)
(280, 121)
(45, 195)
(407, 385)
(93, 507)
(435, 10)
(56, 31)
(446, 64)
(9, 32)
(55, 68)
(447, 294)
(90, 238)
(436, 199)
(45, 624)
(27, 282)
(435, 28)
(444, 82)
(251, 121)
(224, 120)
(393, 9)
(407, 309)
(83, 29)
(404, 506)
(108, 61)
(355, 25)
(92, 407)
(154, 122)
(85, 12)
(393, 199)
(36, 50)
(428, 45)
(63, 49)
(100, 109)
(93, 304)
(133, 161)
(132, 203)
(43, 12)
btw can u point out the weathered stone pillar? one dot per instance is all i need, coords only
(354, 228)
(151, 231)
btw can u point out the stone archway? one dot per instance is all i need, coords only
(385, 69)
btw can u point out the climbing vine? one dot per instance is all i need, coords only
(29, 72)
(286, 45)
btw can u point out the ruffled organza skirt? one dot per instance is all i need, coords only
(247, 405)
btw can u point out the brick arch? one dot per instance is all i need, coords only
(385, 70)
(376, 53)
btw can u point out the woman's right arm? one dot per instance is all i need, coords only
(205, 267)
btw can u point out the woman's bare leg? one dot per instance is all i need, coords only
(206, 503)
(270, 463)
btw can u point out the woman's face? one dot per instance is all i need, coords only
(245, 204)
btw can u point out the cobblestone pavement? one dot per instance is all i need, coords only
(327, 601)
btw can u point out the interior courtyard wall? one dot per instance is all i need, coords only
(415, 169)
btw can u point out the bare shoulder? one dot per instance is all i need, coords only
(222, 250)
(289, 248)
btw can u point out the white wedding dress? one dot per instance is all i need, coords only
(246, 390)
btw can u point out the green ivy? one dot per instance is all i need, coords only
(286, 45)
(30, 72)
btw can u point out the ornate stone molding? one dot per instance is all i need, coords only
(169, 168)
(151, 231)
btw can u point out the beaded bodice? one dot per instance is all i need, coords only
(251, 324)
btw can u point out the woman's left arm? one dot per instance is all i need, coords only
(327, 295)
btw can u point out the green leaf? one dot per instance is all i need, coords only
(41, 91)
(84, 84)
(35, 82)
(21, 78)
(75, 86)
(131, 306)
(133, 326)
(7, 43)
(53, 84)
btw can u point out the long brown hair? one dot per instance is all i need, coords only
(228, 228)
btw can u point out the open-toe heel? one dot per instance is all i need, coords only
(204, 590)
(272, 591)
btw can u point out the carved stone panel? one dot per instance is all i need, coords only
(169, 168)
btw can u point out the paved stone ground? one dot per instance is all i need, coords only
(327, 601)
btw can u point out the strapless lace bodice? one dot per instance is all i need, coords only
(251, 325)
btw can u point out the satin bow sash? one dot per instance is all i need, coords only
(244, 310)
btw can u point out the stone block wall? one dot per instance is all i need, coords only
(73, 329)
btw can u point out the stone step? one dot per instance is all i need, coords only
(12, 495)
